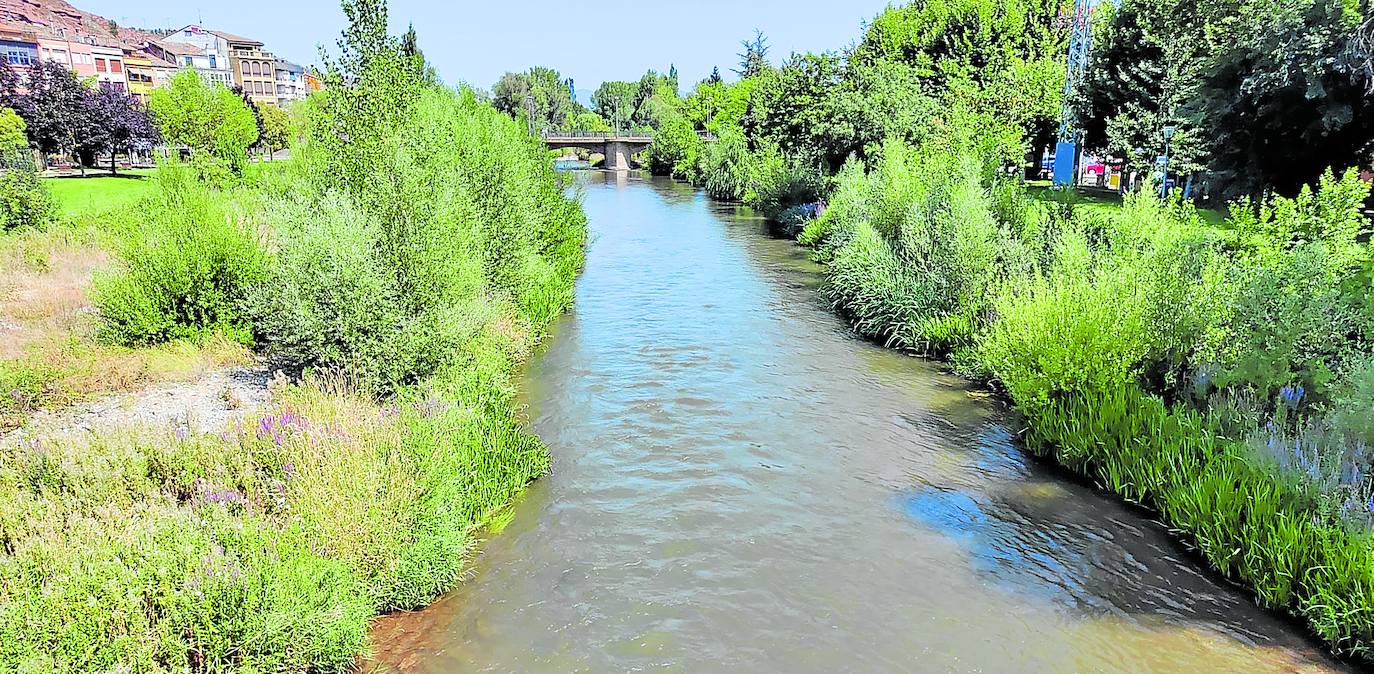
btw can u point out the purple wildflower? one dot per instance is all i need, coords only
(1292, 395)
(431, 406)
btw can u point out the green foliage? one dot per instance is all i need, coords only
(24, 200)
(728, 168)
(276, 123)
(541, 93)
(1299, 306)
(13, 132)
(1147, 58)
(643, 105)
(1090, 319)
(206, 117)
(421, 258)
(676, 151)
(1011, 50)
(388, 290)
(183, 273)
(1263, 94)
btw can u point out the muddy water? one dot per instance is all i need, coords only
(739, 484)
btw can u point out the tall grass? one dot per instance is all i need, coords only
(1217, 376)
(403, 264)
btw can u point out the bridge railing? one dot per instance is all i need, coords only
(601, 135)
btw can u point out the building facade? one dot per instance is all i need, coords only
(109, 67)
(138, 70)
(19, 47)
(75, 54)
(195, 47)
(232, 59)
(291, 83)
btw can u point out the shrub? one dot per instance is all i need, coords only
(1298, 305)
(183, 273)
(676, 150)
(784, 184)
(327, 301)
(728, 168)
(24, 200)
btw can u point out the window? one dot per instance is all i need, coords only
(213, 64)
(116, 66)
(19, 57)
(186, 60)
(100, 65)
(243, 65)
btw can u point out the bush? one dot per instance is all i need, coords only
(784, 184)
(676, 150)
(728, 168)
(24, 200)
(185, 272)
(1299, 310)
(393, 284)
(327, 301)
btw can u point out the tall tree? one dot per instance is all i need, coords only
(754, 59)
(123, 126)
(204, 116)
(276, 129)
(540, 96)
(1284, 94)
(55, 106)
(1263, 94)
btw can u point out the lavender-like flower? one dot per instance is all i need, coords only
(1292, 395)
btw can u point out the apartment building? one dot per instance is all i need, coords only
(74, 54)
(145, 72)
(241, 59)
(291, 83)
(19, 46)
(109, 66)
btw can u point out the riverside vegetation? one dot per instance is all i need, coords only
(1222, 375)
(404, 262)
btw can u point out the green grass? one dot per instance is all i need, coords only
(1109, 205)
(98, 193)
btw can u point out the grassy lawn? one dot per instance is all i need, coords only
(99, 193)
(1094, 202)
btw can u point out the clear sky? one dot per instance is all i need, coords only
(477, 41)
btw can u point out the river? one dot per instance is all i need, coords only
(740, 484)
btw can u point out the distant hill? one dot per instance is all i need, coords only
(59, 18)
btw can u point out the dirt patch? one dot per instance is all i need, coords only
(44, 300)
(207, 403)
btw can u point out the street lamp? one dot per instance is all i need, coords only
(1164, 164)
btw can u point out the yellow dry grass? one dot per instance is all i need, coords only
(48, 327)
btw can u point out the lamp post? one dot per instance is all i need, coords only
(1164, 183)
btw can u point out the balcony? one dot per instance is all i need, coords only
(252, 54)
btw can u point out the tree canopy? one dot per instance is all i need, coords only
(1263, 94)
(204, 116)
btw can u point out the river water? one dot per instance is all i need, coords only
(741, 485)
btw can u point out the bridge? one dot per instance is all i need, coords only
(617, 148)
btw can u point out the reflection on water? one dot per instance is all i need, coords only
(739, 484)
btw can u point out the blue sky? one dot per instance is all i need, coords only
(477, 41)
